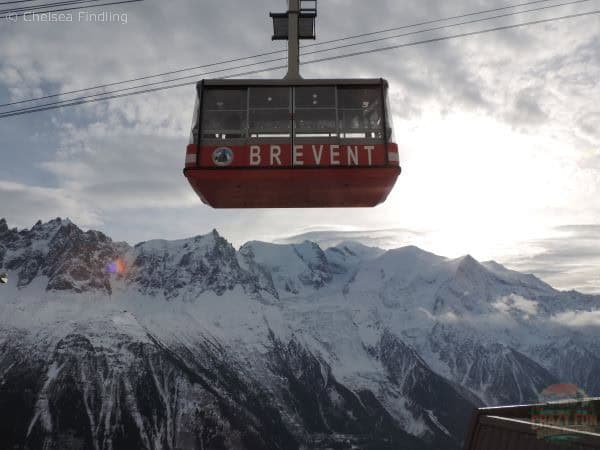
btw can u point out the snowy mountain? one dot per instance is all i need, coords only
(194, 344)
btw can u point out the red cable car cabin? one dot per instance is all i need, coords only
(292, 144)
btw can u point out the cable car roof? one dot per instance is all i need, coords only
(301, 82)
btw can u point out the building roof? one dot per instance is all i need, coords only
(566, 425)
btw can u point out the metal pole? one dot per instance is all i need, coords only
(293, 41)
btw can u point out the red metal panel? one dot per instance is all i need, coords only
(191, 155)
(282, 154)
(293, 187)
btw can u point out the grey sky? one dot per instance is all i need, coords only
(498, 133)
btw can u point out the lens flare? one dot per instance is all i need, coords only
(116, 267)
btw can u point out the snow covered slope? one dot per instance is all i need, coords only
(192, 344)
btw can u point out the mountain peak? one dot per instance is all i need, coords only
(513, 276)
(468, 267)
(292, 267)
(357, 247)
(53, 225)
(413, 249)
(494, 266)
(414, 253)
(467, 262)
(350, 253)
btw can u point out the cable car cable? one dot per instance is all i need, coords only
(21, 14)
(430, 22)
(108, 95)
(156, 89)
(34, 8)
(23, 11)
(84, 100)
(468, 22)
(18, 1)
(155, 83)
(454, 36)
(46, 5)
(261, 54)
(67, 101)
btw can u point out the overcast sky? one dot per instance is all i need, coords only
(499, 134)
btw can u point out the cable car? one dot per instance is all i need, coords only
(292, 143)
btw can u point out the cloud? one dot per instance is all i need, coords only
(121, 168)
(584, 231)
(567, 260)
(328, 237)
(445, 317)
(516, 302)
(526, 109)
(578, 319)
(589, 124)
(20, 202)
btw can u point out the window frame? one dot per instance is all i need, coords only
(382, 133)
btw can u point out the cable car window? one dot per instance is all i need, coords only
(269, 121)
(317, 120)
(224, 113)
(359, 97)
(353, 119)
(224, 99)
(315, 97)
(390, 128)
(315, 110)
(360, 112)
(269, 111)
(223, 121)
(269, 97)
(194, 131)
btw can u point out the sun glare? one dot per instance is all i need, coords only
(485, 184)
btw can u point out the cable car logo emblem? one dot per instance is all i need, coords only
(222, 156)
